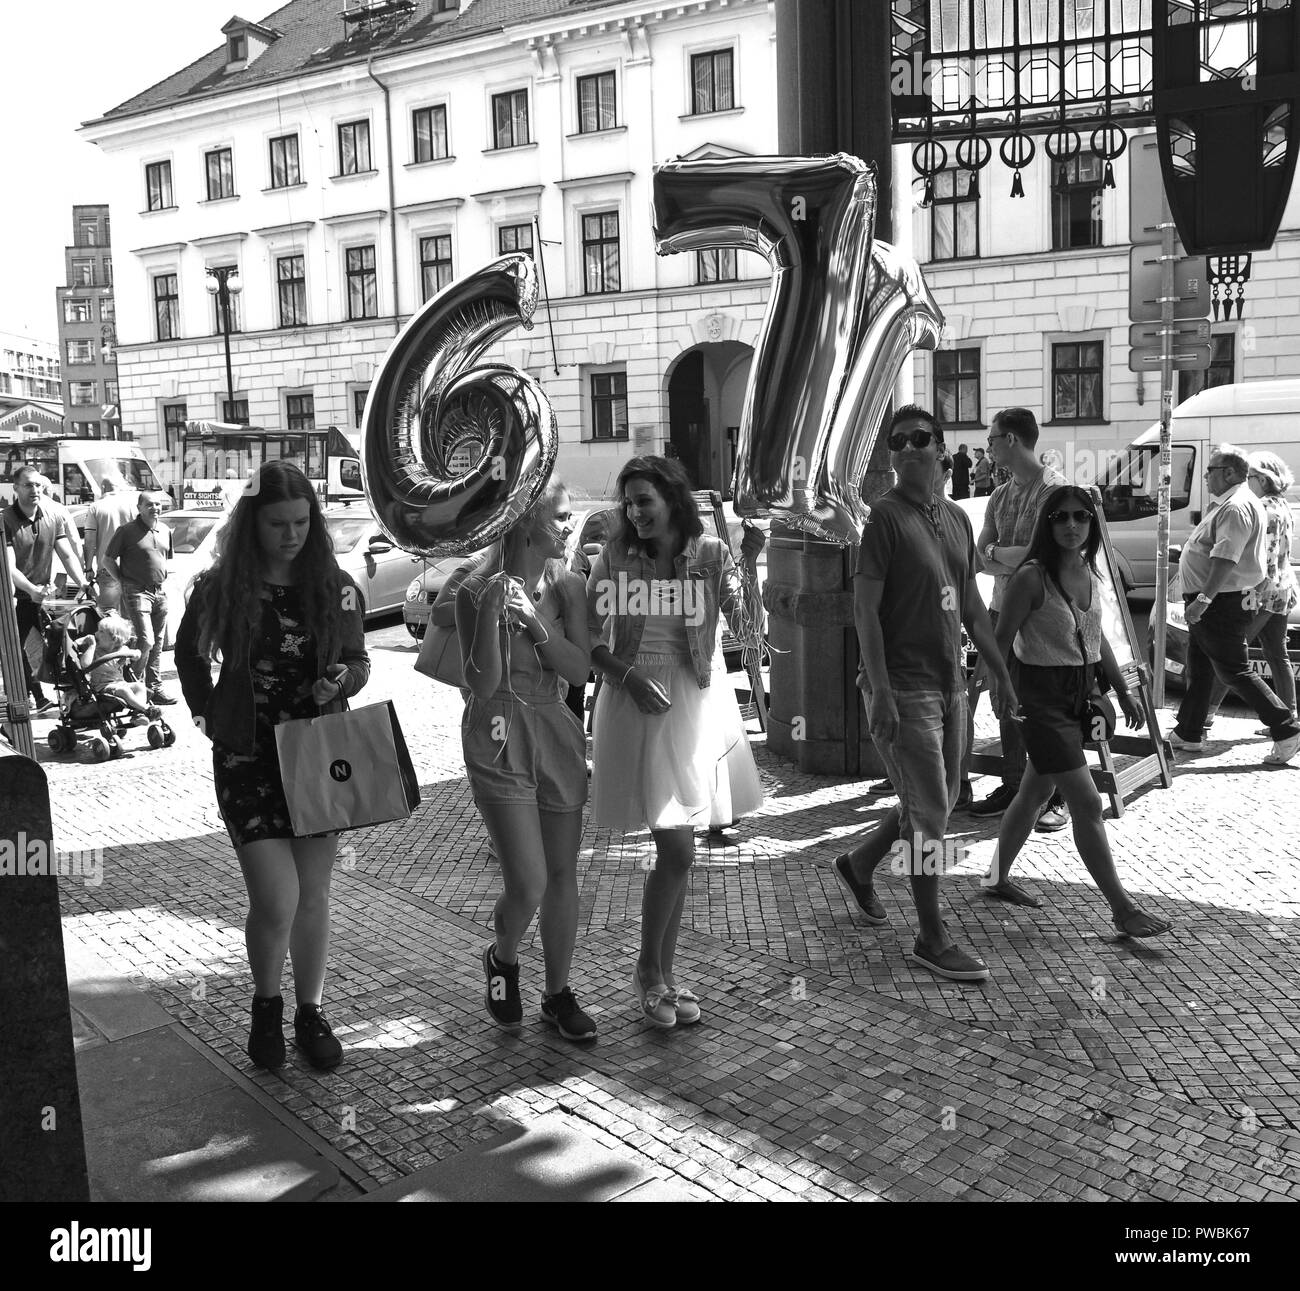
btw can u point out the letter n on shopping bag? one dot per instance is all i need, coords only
(346, 770)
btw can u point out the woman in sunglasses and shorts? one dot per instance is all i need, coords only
(1050, 631)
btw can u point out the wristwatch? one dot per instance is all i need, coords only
(988, 552)
(1204, 600)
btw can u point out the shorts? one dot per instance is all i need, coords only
(525, 751)
(1049, 699)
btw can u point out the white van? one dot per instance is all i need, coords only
(75, 467)
(1254, 415)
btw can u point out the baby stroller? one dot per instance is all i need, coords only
(80, 708)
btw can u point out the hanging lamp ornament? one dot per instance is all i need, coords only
(1017, 151)
(1226, 272)
(929, 158)
(1108, 142)
(973, 154)
(1062, 146)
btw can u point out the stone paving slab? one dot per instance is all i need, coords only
(1209, 1017)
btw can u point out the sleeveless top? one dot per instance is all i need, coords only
(524, 675)
(1049, 636)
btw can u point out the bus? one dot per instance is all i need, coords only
(75, 467)
(218, 457)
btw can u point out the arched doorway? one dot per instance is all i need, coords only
(706, 393)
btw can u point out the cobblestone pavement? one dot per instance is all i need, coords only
(1089, 1066)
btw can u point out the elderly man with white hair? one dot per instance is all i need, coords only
(1224, 568)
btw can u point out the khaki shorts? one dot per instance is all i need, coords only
(525, 751)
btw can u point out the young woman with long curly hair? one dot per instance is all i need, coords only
(286, 624)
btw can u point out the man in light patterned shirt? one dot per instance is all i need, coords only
(1009, 523)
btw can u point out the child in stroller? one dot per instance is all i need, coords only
(90, 657)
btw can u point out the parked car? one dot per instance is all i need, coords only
(424, 589)
(381, 571)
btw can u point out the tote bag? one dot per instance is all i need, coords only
(345, 770)
(439, 656)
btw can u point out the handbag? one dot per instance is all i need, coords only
(346, 770)
(439, 656)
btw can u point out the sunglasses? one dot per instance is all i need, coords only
(1079, 517)
(899, 439)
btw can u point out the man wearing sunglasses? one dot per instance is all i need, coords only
(1222, 564)
(913, 591)
(1008, 526)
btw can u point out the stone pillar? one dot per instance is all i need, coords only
(42, 1153)
(833, 60)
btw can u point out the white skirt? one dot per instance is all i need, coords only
(688, 767)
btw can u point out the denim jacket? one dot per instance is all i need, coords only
(226, 712)
(705, 560)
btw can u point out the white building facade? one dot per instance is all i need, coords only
(349, 169)
(551, 125)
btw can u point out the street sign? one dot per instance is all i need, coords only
(1191, 287)
(1146, 186)
(1191, 347)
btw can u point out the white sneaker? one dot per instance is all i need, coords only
(1177, 741)
(1284, 750)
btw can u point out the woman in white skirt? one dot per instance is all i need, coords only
(669, 748)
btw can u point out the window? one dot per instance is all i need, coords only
(712, 83)
(81, 352)
(358, 407)
(82, 391)
(76, 311)
(609, 405)
(87, 233)
(716, 265)
(1076, 204)
(600, 253)
(429, 126)
(284, 161)
(167, 307)
(300, 410)
(954, 217)
(108, 272)
(236, 47)
(291, 285)
(86, 429)
(354, 147)
(158, 185)
(1076, 381)
(510, 119)
(236, 413)
(220, 165)
(106, 311)
(363, 287)
(83, 273)
(110, 392)
(1221, 372)
(596, 103)
(514, 237)
(957, 387)
(435, 264)
(174, 417)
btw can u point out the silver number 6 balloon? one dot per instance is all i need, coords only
(841, 318)
(453, 455)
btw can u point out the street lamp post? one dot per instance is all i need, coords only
(223, 282)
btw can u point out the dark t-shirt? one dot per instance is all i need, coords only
(925, 556)
(33, 540)
(961, 475)
(142, 553)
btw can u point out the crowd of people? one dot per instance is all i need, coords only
(282, 624)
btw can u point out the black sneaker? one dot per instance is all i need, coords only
(161, 697)
(880, 788)
(502, 995)
(561, 1010)
(995, 804)
(863, 894)
(315, 1038)
(266, 1038)
(43, 706)
(965, 796)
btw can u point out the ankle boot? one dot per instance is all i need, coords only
(314, 1037)
(266, 1038)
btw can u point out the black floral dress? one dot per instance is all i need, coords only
(250, 794)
